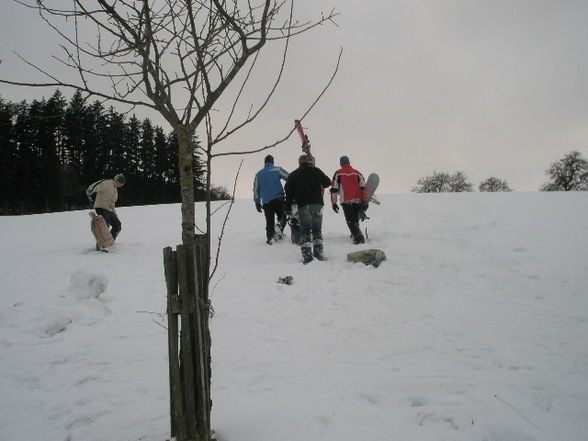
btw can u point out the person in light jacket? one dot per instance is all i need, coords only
(103, 194)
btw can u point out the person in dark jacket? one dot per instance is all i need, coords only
(305, 187)
(349, 185)
(268, 195)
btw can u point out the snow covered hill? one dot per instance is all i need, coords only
(474, 329)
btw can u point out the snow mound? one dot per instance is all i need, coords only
(56, 325)
(86, 284)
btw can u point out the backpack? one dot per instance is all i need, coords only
(91, 194)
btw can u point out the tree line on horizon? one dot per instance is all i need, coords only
(568, 174)
(52, 150)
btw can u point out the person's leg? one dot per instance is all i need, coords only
(269, 213)
(305, 219)
(116, 226)
(351, 212)
(281, 213)
(112, 221)
(317, 233)
(278, 209)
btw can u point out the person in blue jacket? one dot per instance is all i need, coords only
(268, 195)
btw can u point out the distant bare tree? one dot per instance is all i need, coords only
(443, 182)
(493, 184)
(568, 174)
(438, 182)
(458, 182)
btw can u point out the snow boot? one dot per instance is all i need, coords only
(317, 251)
(306, 255)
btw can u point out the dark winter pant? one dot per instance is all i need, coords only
(311, 223)
(352, 212)
(111, 219)
(272, 210)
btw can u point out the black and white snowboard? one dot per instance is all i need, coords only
(372, 185)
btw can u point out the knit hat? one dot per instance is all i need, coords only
(269, 158)
(344, 160)
(120, 178)
(304, 159)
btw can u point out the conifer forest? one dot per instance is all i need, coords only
(52, 150)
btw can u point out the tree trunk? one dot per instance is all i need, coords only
(185, 157)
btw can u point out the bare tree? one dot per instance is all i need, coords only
(458, 182)
(177, 58)
(436, 183)
(568, 174)
(493, 184)
(443, 182)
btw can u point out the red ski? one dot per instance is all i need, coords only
(304, 139)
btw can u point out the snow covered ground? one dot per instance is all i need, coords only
(475, 329)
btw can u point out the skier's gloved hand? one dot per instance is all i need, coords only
(364, 206)
(258, 207)
(335, 208)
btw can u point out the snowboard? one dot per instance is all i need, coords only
(372, 185)
(101, 232)
(294, 226)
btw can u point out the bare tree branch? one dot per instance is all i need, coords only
(304, 114)
(222, 232)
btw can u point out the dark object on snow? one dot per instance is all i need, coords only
(286, 280)
(369, 257)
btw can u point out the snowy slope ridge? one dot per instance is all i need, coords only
(474, 329)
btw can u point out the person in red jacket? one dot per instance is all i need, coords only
(349, 185)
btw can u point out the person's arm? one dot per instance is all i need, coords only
(334, 188)
(364, 192)
(289, 189)
(283, 174)
(256, 197)
(325, 181)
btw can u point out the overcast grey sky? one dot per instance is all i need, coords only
(492, 88)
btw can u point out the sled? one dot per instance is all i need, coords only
(100, 230)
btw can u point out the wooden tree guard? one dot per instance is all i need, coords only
(186, 277)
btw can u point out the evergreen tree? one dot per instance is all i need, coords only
(92, 164)
(75, 133)
(53, 149)
(166, 186)
(147, 151)
(8, 157)
(115, 149)
(50, 142)
(74, 122)
(29, 192)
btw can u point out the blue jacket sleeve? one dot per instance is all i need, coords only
(283, 174)
(256, 195)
